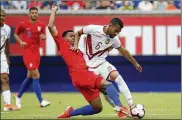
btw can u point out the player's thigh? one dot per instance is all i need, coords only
(31, 60)
(85, 78)
(89, 94)
(106, 69)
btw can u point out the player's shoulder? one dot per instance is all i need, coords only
(7, 27)
(96, 28)
(40, 23)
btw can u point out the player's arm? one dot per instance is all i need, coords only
(17, 33)
(7, 51)
(43, 35)
(77, 37)
(85, 30)
(129, 57)
(51, 26)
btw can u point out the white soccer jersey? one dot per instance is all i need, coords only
(97, 45)
(5, 35)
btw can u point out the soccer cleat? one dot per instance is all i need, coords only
(121, 115)
(9, 107)
(66, 114)
(44, 103)
(125, 112)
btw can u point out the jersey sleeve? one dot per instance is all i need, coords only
(89, 29)
(116, 43)
(19, 28)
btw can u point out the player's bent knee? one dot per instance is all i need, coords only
(114, 75)
(104, 83)
(5, 79)
(35, 74)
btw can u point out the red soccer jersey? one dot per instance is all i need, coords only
(73, 59)
(30, 33)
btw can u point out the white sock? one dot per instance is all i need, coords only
(7, 97)
(108, 99)
(123, 88)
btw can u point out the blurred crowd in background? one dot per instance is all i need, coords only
(90, 4)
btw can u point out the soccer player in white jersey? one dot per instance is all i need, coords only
(100, 39)
(5, 35)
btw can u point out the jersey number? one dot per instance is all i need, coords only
(98, 45)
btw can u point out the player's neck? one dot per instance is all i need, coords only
(106, 29)
(33, 22)
(2, 24)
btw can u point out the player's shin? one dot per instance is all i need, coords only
(37, 89)
(7, 97)
(86, 110)
(108, 99)
(24, 86)
(123, 88)
(113, 94)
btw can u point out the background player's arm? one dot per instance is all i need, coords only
(17, 32)
(128, 56)
(7, 51)
(43, 35)
(51, 26)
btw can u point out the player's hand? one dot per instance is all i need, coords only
(23, 44)
(76, 49)
(138, 67)
(42, 36)
(55, 7)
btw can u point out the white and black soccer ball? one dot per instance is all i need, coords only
(138, 111)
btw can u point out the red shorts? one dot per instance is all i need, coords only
(31, 59)
(87, 83)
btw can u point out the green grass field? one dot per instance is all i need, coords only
(157, 106)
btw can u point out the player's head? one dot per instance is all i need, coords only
(33, 13)
(115, 27)
(2, 17)
(69, 35)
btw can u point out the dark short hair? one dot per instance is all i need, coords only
(117, 21)
(33, 8)
(65, 32)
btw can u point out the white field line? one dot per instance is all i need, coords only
(99, 115)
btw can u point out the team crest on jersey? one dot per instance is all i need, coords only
(39, 28)
(107, 41)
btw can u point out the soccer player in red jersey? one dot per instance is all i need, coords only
(28, 35)
(83, 80)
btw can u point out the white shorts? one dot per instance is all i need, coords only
(104, 70)
(4, 67)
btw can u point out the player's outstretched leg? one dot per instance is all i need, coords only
(23, 88)
(6, 93)
(123, 88)
(94, 108)
(37, 89)
(113, 95)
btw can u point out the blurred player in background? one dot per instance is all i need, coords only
(83, 80)
(5, 36)
(28, 35)
(100, 39)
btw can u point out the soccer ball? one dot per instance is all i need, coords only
(138, 111)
